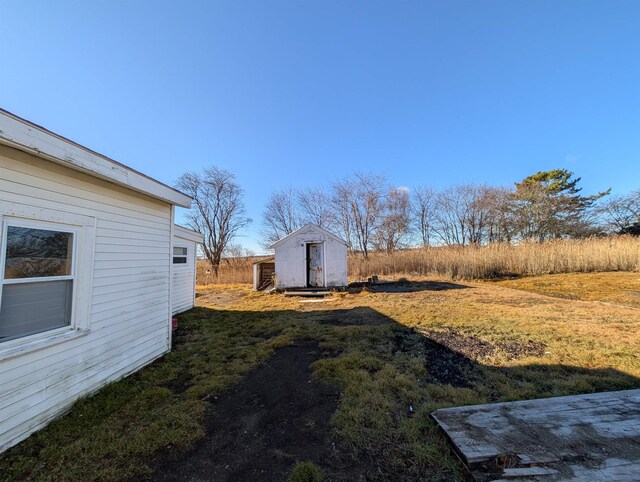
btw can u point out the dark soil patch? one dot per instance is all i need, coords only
(451, 357)
(404, 286)
(515, 350)
(412, 286)
(477, 349)
(471, 346)
(277, 415)
(448, 367)
(444, 365)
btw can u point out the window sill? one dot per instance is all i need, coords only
(32, 343)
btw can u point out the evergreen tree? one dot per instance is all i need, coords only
(549, 205)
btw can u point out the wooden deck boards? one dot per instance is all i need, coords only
(582, 437)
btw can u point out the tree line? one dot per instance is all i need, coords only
(372, 215)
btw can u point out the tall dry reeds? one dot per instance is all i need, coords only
(231, 271)
(621, 253)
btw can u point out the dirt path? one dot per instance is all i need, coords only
(257, 430)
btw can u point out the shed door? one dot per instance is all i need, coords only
(314, 265)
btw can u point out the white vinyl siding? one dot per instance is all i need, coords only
(183, 275)
(126, 321)
(291, 258)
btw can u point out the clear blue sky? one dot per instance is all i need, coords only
(300, 93)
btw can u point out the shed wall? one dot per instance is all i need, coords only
(291, 266)
(183, 278)
(129, 301)
(336, 264)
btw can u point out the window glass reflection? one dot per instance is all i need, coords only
(37, 253)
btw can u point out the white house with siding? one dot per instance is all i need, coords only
(88, 283)
(310, 257)
(183, 275)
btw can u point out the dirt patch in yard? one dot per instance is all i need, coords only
(451, 357)
(405, 286)
(278, 415)
(444, 366)
(478, 349)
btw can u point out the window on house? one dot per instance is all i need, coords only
(179, 255)
(37, 279)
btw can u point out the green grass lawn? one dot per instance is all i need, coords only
(421, 344)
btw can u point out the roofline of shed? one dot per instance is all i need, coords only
(297, 231)
(268, 259)
(26, 136)
(186, 233)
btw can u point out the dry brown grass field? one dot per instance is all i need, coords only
(232, 271)
(620, 253)
(424, 342)
(500, 260)
(620, 288)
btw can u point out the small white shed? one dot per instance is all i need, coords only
(183, 273)
(86, 263)
(310, 257)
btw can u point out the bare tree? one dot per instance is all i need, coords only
(281, 216)
(462, 214)
(316, 207)
(340, 200)
(424, 213)
(621, 214)
(395, 220)
(360, 202)
(499, 228)
(235, 251)
(218, 212)
(449, 224)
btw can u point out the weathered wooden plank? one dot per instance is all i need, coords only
(540, 403)
(527, 472)
(601, 431)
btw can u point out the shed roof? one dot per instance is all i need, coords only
(269, 259)
(189, 234)
(306, 228)
(26, 136)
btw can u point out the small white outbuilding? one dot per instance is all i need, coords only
(92, 267)
(310, 257)
(183, 273)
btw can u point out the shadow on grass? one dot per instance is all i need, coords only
(388, 379)
(405, 286)
(244, 395)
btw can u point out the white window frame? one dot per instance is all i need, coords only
(185, 256)
(83, 229)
